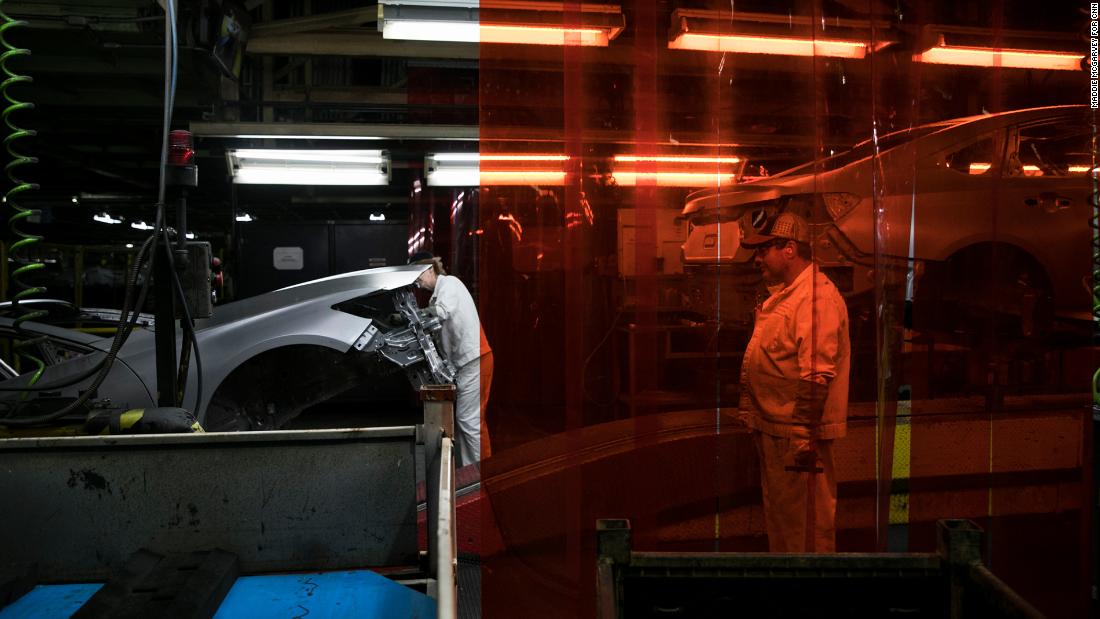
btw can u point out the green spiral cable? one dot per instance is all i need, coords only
(17, 187)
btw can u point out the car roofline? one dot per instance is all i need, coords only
(1007, 117)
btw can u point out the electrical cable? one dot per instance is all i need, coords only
(161, 229)
(126, 325)
(188, 324)
(25, 266)
(123, 333)
(108, 362)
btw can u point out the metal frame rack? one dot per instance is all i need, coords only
(282, 501)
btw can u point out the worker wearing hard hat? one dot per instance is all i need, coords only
(794, 388)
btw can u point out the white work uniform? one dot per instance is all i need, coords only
(800, 339)
(464, 344)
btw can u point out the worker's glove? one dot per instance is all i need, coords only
(804, 457)
(809, 403)
(805, 452)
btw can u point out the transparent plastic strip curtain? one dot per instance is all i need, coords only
(616, 380)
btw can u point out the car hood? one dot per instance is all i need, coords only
(756, 191)
(302, 310)
(328, 290)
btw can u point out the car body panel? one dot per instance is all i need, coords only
(928, 207)
(303, 314)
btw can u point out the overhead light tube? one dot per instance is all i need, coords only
(489, 21)
(742, 32)
(1008, 58)
(783, 46)
(309, 167)
(474, 169)
(984, 47)
(105, 218)
(677, 170)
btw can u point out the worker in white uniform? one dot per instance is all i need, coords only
(465, 345)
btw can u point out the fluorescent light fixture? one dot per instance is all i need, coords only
(141, 225)
(189, 235)
(765, 33)
(675, 179)
(472, 32)
(244, 217)
(474, 169)
(677, 170)
(309, 167)
(378, 217)
(677, 159)
(747, 44)
(1008, 58)
(105, 218)
(977, 47)
(499, 21)
(129, 246)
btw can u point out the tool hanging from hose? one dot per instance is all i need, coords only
(18, 186)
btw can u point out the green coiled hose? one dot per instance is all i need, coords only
(17, 187)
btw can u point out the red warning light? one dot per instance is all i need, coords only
(181, 148)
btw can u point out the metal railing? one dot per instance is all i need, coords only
(951, 582)
(438, 439)
(446, 539)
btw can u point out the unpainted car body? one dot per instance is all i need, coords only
(264, 358)
(992, 207)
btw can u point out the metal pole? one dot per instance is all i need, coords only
(613, 549)
(165, 326)
(958, 542)
(447, 550)
(438, 422)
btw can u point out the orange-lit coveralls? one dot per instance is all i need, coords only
(794, 395)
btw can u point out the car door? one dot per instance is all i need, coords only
(952, 196)
(1043, 200)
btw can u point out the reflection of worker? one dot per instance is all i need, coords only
(465, 345)
(794, 388)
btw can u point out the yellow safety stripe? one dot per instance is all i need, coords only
(899, 474)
